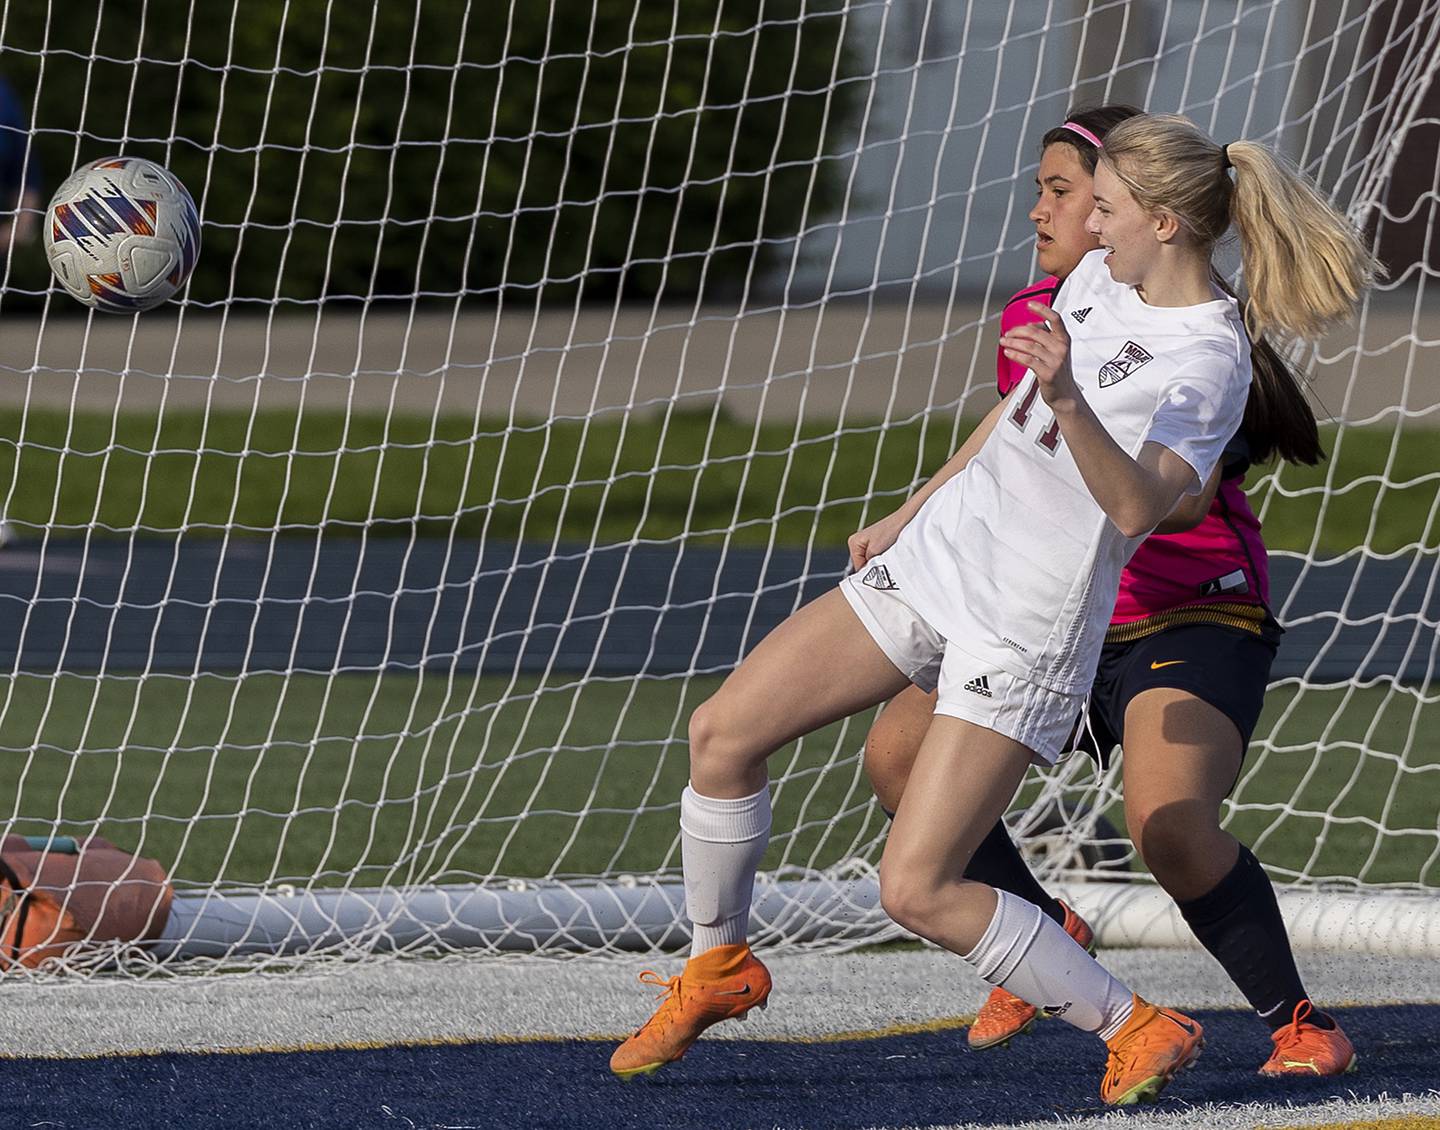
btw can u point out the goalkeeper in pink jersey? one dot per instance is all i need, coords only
(1181, 679)
(996, 580)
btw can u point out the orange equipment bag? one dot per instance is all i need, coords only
(56, 891)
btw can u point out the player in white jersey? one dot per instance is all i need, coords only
(1128, 406)
(1021, 573)
(1181, 680)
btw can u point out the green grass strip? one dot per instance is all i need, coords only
(371, 779)
(607, 480)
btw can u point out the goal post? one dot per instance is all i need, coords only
(538, 363)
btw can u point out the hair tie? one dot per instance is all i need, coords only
(1083, 132)
(1225, 157)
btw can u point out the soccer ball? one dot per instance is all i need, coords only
(122, 234)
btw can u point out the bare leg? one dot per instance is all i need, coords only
(961, 783)
(820, 665)
(817, 667)
(1181, 758)
(963, 778)
(894, 742)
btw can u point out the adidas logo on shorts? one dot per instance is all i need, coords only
(980, 685)
(879, 578)
(1081, 315)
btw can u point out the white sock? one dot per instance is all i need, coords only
(1028, 953)
(721, 845)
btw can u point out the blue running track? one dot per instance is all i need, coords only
(910, 1080)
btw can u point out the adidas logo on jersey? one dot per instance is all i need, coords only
(1081, 315)
(980, 685)
(879, 578)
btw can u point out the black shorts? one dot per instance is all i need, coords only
(1228, 668)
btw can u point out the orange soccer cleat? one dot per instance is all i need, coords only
(722, 982)
(1004, 1015)
(1146, 1053)
(1305, 1049)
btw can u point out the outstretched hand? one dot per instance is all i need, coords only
(1043, 348)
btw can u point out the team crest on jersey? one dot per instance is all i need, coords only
(879, 578)
(1123, 364)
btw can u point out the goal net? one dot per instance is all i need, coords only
(538, 362)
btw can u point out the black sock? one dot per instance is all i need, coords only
(1239, 923)
(997, 862)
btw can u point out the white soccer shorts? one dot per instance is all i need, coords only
(1039, 718)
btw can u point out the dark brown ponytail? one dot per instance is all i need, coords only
(1278, 419)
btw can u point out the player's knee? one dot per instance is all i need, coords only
(908, 894)
(903, 900)
(1175, 840)
(706, 734)
(714, 746)
(1150, 832)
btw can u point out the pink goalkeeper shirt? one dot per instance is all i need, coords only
(1222, 561)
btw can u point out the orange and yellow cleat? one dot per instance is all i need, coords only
(1305, 1049)
(1146, 1053)
(1004, 1015)
(723, 982)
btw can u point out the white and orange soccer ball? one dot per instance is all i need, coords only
(122, 234)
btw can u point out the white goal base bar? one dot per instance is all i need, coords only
(1135, 915)
(520, 915)
(636, 914)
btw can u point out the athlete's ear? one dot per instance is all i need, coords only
(1167, 225)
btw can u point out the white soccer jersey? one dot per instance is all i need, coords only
(1013, 560)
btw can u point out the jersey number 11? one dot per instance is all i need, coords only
(1049, 439)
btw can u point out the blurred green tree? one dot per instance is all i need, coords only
(391, 148)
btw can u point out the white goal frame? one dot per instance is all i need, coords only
(872, 316)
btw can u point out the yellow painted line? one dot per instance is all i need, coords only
(944, 1024)
(1399, 1122)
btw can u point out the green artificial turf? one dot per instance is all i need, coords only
(362, 779)
(396, 778)
(600, 481)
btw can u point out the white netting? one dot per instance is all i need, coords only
(538, 362)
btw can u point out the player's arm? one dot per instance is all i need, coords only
(1190, 511)
(1136, 494)
(879, 536)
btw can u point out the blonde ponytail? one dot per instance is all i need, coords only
(1305, 267)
